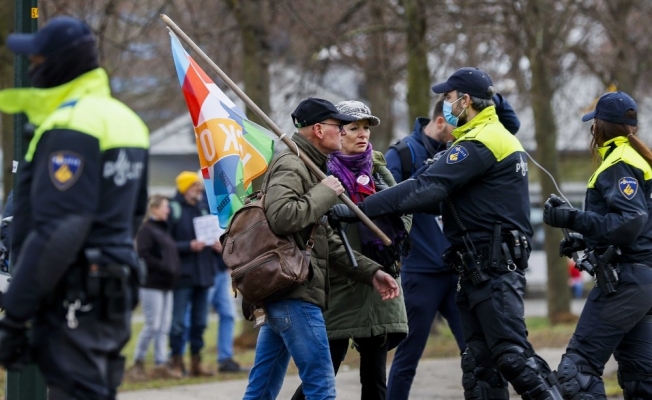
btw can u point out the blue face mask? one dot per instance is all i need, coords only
(448, 112)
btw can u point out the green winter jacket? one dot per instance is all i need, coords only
(294, 202)
(357, 311)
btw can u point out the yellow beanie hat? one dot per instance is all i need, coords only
(186, 179)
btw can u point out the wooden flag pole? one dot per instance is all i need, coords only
(252, 106)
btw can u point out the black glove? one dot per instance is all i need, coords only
(14, 344)
(379, 182)
(557, 213)
(342, 213)
(573, 244)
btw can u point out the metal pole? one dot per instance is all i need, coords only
(253, 107)
(27, 384)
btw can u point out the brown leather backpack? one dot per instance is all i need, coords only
(265, 266)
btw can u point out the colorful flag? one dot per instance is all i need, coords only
(232, 150)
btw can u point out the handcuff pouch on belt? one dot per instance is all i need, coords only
(515, 249)
(601, 267)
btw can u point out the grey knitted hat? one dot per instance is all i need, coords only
(358, 110)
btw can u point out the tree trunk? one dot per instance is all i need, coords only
(6, 81)
(546, 137)
(252, 17)
(378, 81)
(418, 75)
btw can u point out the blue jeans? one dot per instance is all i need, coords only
(222, 300)
(197, 298)
(294, 329)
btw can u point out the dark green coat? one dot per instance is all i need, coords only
(294, 201)
(357, 311)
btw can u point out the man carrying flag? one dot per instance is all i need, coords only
(294, 202)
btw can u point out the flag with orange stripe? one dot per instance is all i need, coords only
(232, 150)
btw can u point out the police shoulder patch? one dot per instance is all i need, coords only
(456, 154)
(628, 186)
(65, 168)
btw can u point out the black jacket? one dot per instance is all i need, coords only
(158, 249)
(197, 269)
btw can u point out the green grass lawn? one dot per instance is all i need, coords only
(541, 334)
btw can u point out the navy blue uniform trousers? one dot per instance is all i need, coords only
(619, 324)
(425, 294)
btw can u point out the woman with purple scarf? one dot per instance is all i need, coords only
(354, 311)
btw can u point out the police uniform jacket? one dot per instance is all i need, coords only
(618, 203)
(484, 174)
(80, 185)
(294, 202)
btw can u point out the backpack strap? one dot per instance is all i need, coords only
(406, 156)
(263, 188)
(311, 240)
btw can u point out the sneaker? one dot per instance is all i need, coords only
(229, 365)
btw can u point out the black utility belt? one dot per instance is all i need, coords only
(509, 251)
(95, 285)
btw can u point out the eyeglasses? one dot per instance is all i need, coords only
(339, 126)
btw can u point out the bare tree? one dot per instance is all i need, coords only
(253, 18)
(529, 41)
(616, 47)
(541, 31)
(418, 74)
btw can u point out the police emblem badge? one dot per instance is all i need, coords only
(65, 168)
(456, 154)
(628, 187)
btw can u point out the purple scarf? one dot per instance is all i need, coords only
(354, 171)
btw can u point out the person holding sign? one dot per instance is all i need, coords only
(199, 264)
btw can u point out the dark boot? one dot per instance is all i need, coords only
(137, 372)
(176, 365)
(196, 369)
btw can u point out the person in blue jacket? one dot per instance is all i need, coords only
(615, 232)
(428, 284)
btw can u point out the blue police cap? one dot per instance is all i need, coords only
(470, 80)
(612, 107)
(59, 33)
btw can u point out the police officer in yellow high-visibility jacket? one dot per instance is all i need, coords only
(617, 317)
(481, 184)
(79, 189)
